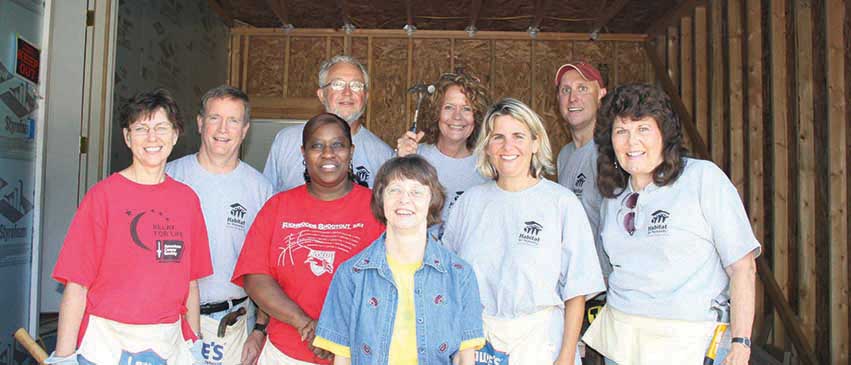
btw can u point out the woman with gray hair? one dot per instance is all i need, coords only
(528, 240)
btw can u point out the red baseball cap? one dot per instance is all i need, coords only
(586, 70)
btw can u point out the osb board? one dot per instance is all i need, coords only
(266, 66)
(337, 46)
(511, 70)
(601, 54)
(632, 65)
(549, 55)
(306, 54)
(389, 75)
(360, 50)
(475, 57)
(431, 58)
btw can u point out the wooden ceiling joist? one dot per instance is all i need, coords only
(279, 7)
(610, 13)
(541, 7)
(673, 16)
(475, 11)
(222, 8)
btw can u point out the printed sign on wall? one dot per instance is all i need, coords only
(27, 60)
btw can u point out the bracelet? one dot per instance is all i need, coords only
(260, 327)
(742, 340)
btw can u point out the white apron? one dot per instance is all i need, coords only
(225, 350)
(533, 339)
(272, 356)
(110, 342)
(637, 340)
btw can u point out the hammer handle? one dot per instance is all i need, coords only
(30, 345)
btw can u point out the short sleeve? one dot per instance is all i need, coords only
(452, 226)
(201, 262)
(270, 170)
(580, 271)
(335, 348)
(723, 210)
(80, 257)
(334, 321)
(254, 257)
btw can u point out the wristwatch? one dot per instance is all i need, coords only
(260, 327)
(742, 340)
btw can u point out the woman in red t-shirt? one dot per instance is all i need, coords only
(133, 253)
(299, 238)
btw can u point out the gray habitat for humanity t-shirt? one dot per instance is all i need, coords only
(577, 171)
(229, 203)
(455, 174)
(285, 164)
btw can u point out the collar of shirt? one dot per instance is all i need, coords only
(375, 257)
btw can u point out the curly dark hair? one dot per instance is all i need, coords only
(477, 96)
(145, 104)
(637, 101)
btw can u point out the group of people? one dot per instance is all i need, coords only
(453, 247)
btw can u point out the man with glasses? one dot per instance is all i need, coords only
(580, 89)
(231, 194)
(343, 83)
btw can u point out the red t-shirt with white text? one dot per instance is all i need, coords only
(299, 241)
(136, 248)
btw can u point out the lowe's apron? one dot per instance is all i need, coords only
(532, 339)
(110, 342)
(225, 350)
(272, 356)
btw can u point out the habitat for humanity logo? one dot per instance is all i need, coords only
(658, 223)
(577, 185)
(362, 173)
(236, 217)
(530, 233)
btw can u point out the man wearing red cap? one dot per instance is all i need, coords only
(580, 88)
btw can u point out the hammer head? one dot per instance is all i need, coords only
(228, 320)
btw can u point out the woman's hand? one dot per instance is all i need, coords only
(407, 144)
(738, 355)
(308, 333)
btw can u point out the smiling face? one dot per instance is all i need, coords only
(457, 118)
(327, 155)
(510, 148)
(578, 100)
(406, 204)
(638, 146)
(223, 128)
(345, 103)
(151, 140)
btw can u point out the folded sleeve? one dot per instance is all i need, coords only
(80, 257)
(580, 271)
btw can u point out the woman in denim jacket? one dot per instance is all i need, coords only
(405, 299)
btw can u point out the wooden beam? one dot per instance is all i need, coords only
(780, 157)
(736, 97)
(607, 16)
(541, 7)
(223, 10)
(475, 11)
(673, 16)
(438, 34)
(701, 76)
(673, 57)
(699, 146)
(687, 64)
(837, 116)
(806, 171)
(718, 131)
(409, 12)
(279, 7)
(790, 322)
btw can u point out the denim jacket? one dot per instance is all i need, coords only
(360, 308)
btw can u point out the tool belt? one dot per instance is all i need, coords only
(211, 308)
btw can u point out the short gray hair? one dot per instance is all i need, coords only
(542, 162)
(226, 92)
(327, 64)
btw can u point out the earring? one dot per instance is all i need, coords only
(616, 164)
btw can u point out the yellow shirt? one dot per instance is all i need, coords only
(403, 342)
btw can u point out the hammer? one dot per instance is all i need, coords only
(228, 320)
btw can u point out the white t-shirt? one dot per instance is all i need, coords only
(455, 174)
(530, 249)
(577, 171)
(229, 202)
(686, 233)
(285, 164)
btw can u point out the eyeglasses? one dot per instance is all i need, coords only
(161, 129)
(630, 202)
(339, 85)
(417, 193)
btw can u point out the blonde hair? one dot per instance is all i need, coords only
(542, 161)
